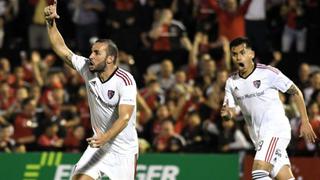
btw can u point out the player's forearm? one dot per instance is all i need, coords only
(58, 43)
(116, 128)
(299, 100)
(55, 36)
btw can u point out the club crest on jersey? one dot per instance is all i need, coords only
(257, 83)
(110, 94)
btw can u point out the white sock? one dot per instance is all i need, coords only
(260, 175)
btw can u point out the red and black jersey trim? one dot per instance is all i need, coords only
(124, 76)
(263, 66)
(113, 73)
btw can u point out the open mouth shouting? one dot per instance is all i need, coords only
(91, 65)
(241, 65)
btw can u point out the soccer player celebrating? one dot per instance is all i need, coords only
(255, 89)
(112, 93)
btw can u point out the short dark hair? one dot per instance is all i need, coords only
(241, 40)
(112, 49)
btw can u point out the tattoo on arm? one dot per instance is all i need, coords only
(49, 22)
(67, 59)
(293, 90)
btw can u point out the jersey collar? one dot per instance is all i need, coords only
(109, 76)
(254, 68)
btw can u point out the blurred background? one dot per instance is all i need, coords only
(178, 52)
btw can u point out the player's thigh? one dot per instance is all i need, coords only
(261, 165)
(285, 173)
(82, 177)
(89, 164)
(119, 166)
(272, 151)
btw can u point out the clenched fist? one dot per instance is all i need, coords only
(50, 12)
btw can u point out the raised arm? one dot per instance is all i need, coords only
(55, 37)
(306, 129)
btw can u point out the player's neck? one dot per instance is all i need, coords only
(247, 71)
(104, 75)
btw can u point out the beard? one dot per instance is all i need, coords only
(98, 68)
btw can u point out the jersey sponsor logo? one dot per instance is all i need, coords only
(110, 93)
(257, 83)
(157, 171)
(252, 95)
(144, 172)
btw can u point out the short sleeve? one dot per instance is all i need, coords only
(281, 82)
(79, 63)
(228, 98)
(128, 94)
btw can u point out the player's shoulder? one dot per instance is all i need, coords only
(233, 75)
(267, 68)
(124, 77)
(79, 57)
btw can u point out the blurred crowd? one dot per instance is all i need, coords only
(178, 51)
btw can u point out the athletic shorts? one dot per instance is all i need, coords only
(98, 162)
(273, 151)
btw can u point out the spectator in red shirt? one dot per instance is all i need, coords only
(122, 20)
(19, 78)
(7, 97)
(25, 123)
(167, 140)
(231, 18)
(20, 95)
(153, 127)
(295, 30)
(167, 33)
(152, 93)
(49, 140)
(74, 141)
(5, 70)
(83, 110)
(7, 143)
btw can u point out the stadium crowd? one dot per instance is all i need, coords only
(178, 51)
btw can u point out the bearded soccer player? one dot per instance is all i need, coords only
(113, 148)
(255, 89)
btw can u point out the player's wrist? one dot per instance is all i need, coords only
(304, 120)
(49, 22)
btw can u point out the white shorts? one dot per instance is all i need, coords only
(97, 162)
(273, 151)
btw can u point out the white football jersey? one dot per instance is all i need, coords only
(104, 99)
(258, 98)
